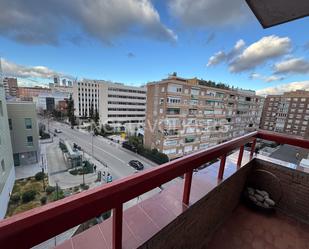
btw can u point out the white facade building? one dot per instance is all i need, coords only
(7, 172)
(122, 107)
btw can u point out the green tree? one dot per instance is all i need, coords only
(91, 113)
(96, 117)
(71, 116)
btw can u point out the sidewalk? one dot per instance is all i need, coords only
(25, 171)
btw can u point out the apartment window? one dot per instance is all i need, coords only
(1, 108)
(162, 89)
(2, 166)
(29, 140)
(10, 124)
(303, 128)
(295, 99)
(28, 123)
(303, 99)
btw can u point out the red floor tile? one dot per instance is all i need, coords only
(248, 229)
(91, 238)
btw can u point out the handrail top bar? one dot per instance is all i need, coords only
(75, 209)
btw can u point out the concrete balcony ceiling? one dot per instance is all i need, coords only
(274, 12)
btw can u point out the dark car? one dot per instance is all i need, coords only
(136, 164)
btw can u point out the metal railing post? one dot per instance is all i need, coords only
(222, 166)
(240, 155)
(252, 148)
(187, 187)
(117, 227)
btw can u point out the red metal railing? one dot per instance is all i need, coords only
(34, 226)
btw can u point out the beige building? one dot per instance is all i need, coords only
(186, 115)
(287, 113)
(122, 107)
(24, 132)
(7, 172)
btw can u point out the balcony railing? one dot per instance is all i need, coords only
(37, 225)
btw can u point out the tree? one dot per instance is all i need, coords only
(91, 111)
(96, 117)
(71, 116)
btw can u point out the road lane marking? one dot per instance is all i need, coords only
(71, 135)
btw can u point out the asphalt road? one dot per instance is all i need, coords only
(104, 150)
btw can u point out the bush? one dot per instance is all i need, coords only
(28, 196)
(39, 176)
(50, 189)
(43, 200)
(84, 186)
(15, 198)
(60, 194)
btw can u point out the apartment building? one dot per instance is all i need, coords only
(24, 132)
(27, 93)
(10, 86)
(122, 107)
(287, 113)
(7, 172)
(186, 115)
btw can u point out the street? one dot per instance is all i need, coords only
(104, 150)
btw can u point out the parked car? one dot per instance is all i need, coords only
(58, 131)
(136, 164)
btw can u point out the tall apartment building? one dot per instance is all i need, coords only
(10, 86)
(287, 113)
(185, 115)
(24, 132)
(122, 107)
(7, 172)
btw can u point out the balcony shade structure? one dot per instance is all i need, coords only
(201, 213)
(274, 12)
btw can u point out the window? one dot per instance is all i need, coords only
(10, 124)
(2, 166)
(29, 140)
(28, 123)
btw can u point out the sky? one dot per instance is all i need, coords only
(139, 41)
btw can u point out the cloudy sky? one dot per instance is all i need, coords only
(136, 41)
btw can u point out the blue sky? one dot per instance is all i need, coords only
(136, 41)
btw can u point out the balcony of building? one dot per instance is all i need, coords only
(205, 209)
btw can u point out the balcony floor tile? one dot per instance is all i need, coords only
(252, 230)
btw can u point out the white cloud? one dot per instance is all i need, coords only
(43, 22)
(271, 78)
(209, 13)
(216, 58)
(14, 70)
(267, 48)
(292, 66)
(221, 56)
(293, 86)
